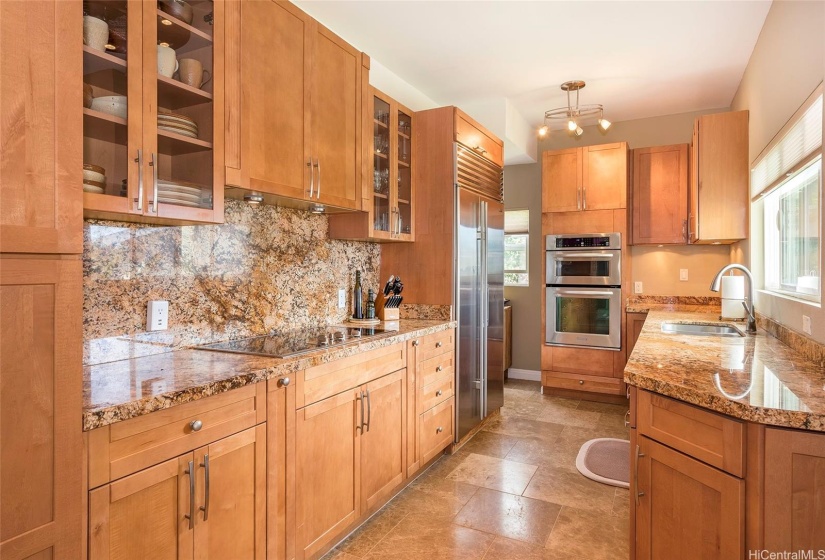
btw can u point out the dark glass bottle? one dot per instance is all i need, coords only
(358, 298)
(370, 304)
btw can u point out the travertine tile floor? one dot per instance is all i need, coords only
(512, 492)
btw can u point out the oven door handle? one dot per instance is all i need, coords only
(592, 256)
(583, 293)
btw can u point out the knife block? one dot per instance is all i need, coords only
(384, 313)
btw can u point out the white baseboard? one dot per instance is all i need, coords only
(528, 374)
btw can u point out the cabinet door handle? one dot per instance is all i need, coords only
(578, 198)
(154, 202)
(196, 425)
(584, 198)
(439, 429)
(191, 515)
(318, 167)
(416, 343)
(311, 178)
(205, 507)
(684, 230)
(284, 382)
(439, 344)
(639, 455)
(360, 425)
(439, 368)
(439, 393)
(369, 410)
(139, 199)
(627, 419)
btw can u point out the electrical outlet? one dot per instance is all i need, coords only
(157, 315)
(683, 274)
(637, 287)
(806, 324)
(342, 299)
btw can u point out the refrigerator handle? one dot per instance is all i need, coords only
(485, 308)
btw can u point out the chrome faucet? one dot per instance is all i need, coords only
(714, 287)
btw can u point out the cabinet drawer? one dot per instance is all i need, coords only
(126, 447)
(435, 344)
(712, 438)
(436, 427)
(436, 392)
(429, 371)
(582, 361)
(320, 382)
(484, 145)
(590, 383)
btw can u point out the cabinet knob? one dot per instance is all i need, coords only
(415, 343)
(196, 425)
(581, 382)
(439, 430)
(439, 368)
(439, 344)
(439, 393)
(283, 382)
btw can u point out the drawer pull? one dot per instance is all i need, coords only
(196, 425)
(439, 393)
(627, 419)
(284, 382)
(416, 342)
(581, 382)
(205, 507)
(439, 430)
(191, 515)
(439, 344)
(439, 368)
(639, 494)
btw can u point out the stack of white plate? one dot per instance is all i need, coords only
(177, 123)
(94, 178)
(180, 193)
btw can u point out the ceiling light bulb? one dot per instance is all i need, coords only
(571, 125)
(604, 123)
(579, 131)
(543, 131)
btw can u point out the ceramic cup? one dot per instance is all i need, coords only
(95, 33)
(167, 63)
(192, 72)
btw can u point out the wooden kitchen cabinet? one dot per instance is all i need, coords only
(40, 98)
(660, 195)
(635, 323)
(293, 129)
(588, 178)
(153, 171)
(144, 515)
(387, 187)
(280, 464)
(794, 492)
(686, 509)
(41, 472)
(719, 178)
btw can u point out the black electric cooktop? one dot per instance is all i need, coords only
(291, 343)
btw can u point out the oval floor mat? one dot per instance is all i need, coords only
(606, 460)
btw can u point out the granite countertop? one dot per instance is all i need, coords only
(117, 391)
(755, 378)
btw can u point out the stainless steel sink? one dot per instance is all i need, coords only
(701, 329)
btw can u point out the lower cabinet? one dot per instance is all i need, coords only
(209, 503)
(686, 509)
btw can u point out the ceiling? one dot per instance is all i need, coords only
(639, 58)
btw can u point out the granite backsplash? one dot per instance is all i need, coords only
(265, 269)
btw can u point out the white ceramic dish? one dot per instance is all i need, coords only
(91, 189)
(171, 187)
(178, 202)
(89, 175)
(182, 132)
(111, 105)
(179, 196)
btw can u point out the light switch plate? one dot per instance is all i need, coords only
(157, 315)
(683, 274)
(806, 324)
(637, 287)
(342, 299)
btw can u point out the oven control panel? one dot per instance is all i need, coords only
(586, 241)
(582, 242)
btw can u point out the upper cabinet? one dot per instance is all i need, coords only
(293, 128)
(40, 98)
(152, 86)
(482, 141)
(588, 178)
(387, 182)
(718, 200)
(660, 185)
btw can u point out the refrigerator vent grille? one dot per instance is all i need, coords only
(478, 174)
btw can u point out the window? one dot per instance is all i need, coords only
(516, 243)
(788, 178)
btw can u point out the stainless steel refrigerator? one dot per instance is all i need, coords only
(479, 273)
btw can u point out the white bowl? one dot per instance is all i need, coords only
(90, 175)
(111, 105)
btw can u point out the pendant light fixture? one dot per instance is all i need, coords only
(574, 114)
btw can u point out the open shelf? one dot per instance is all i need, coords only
(95, 61)
(180, 35)
(175, 144)
(173, 94)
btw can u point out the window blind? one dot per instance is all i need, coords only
(792, 148)
(516, 221)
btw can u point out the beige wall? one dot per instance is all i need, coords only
(657, 269)
(787, 64)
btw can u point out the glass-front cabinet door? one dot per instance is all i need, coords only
(149, 109)
(382, 210)
(403, 176)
